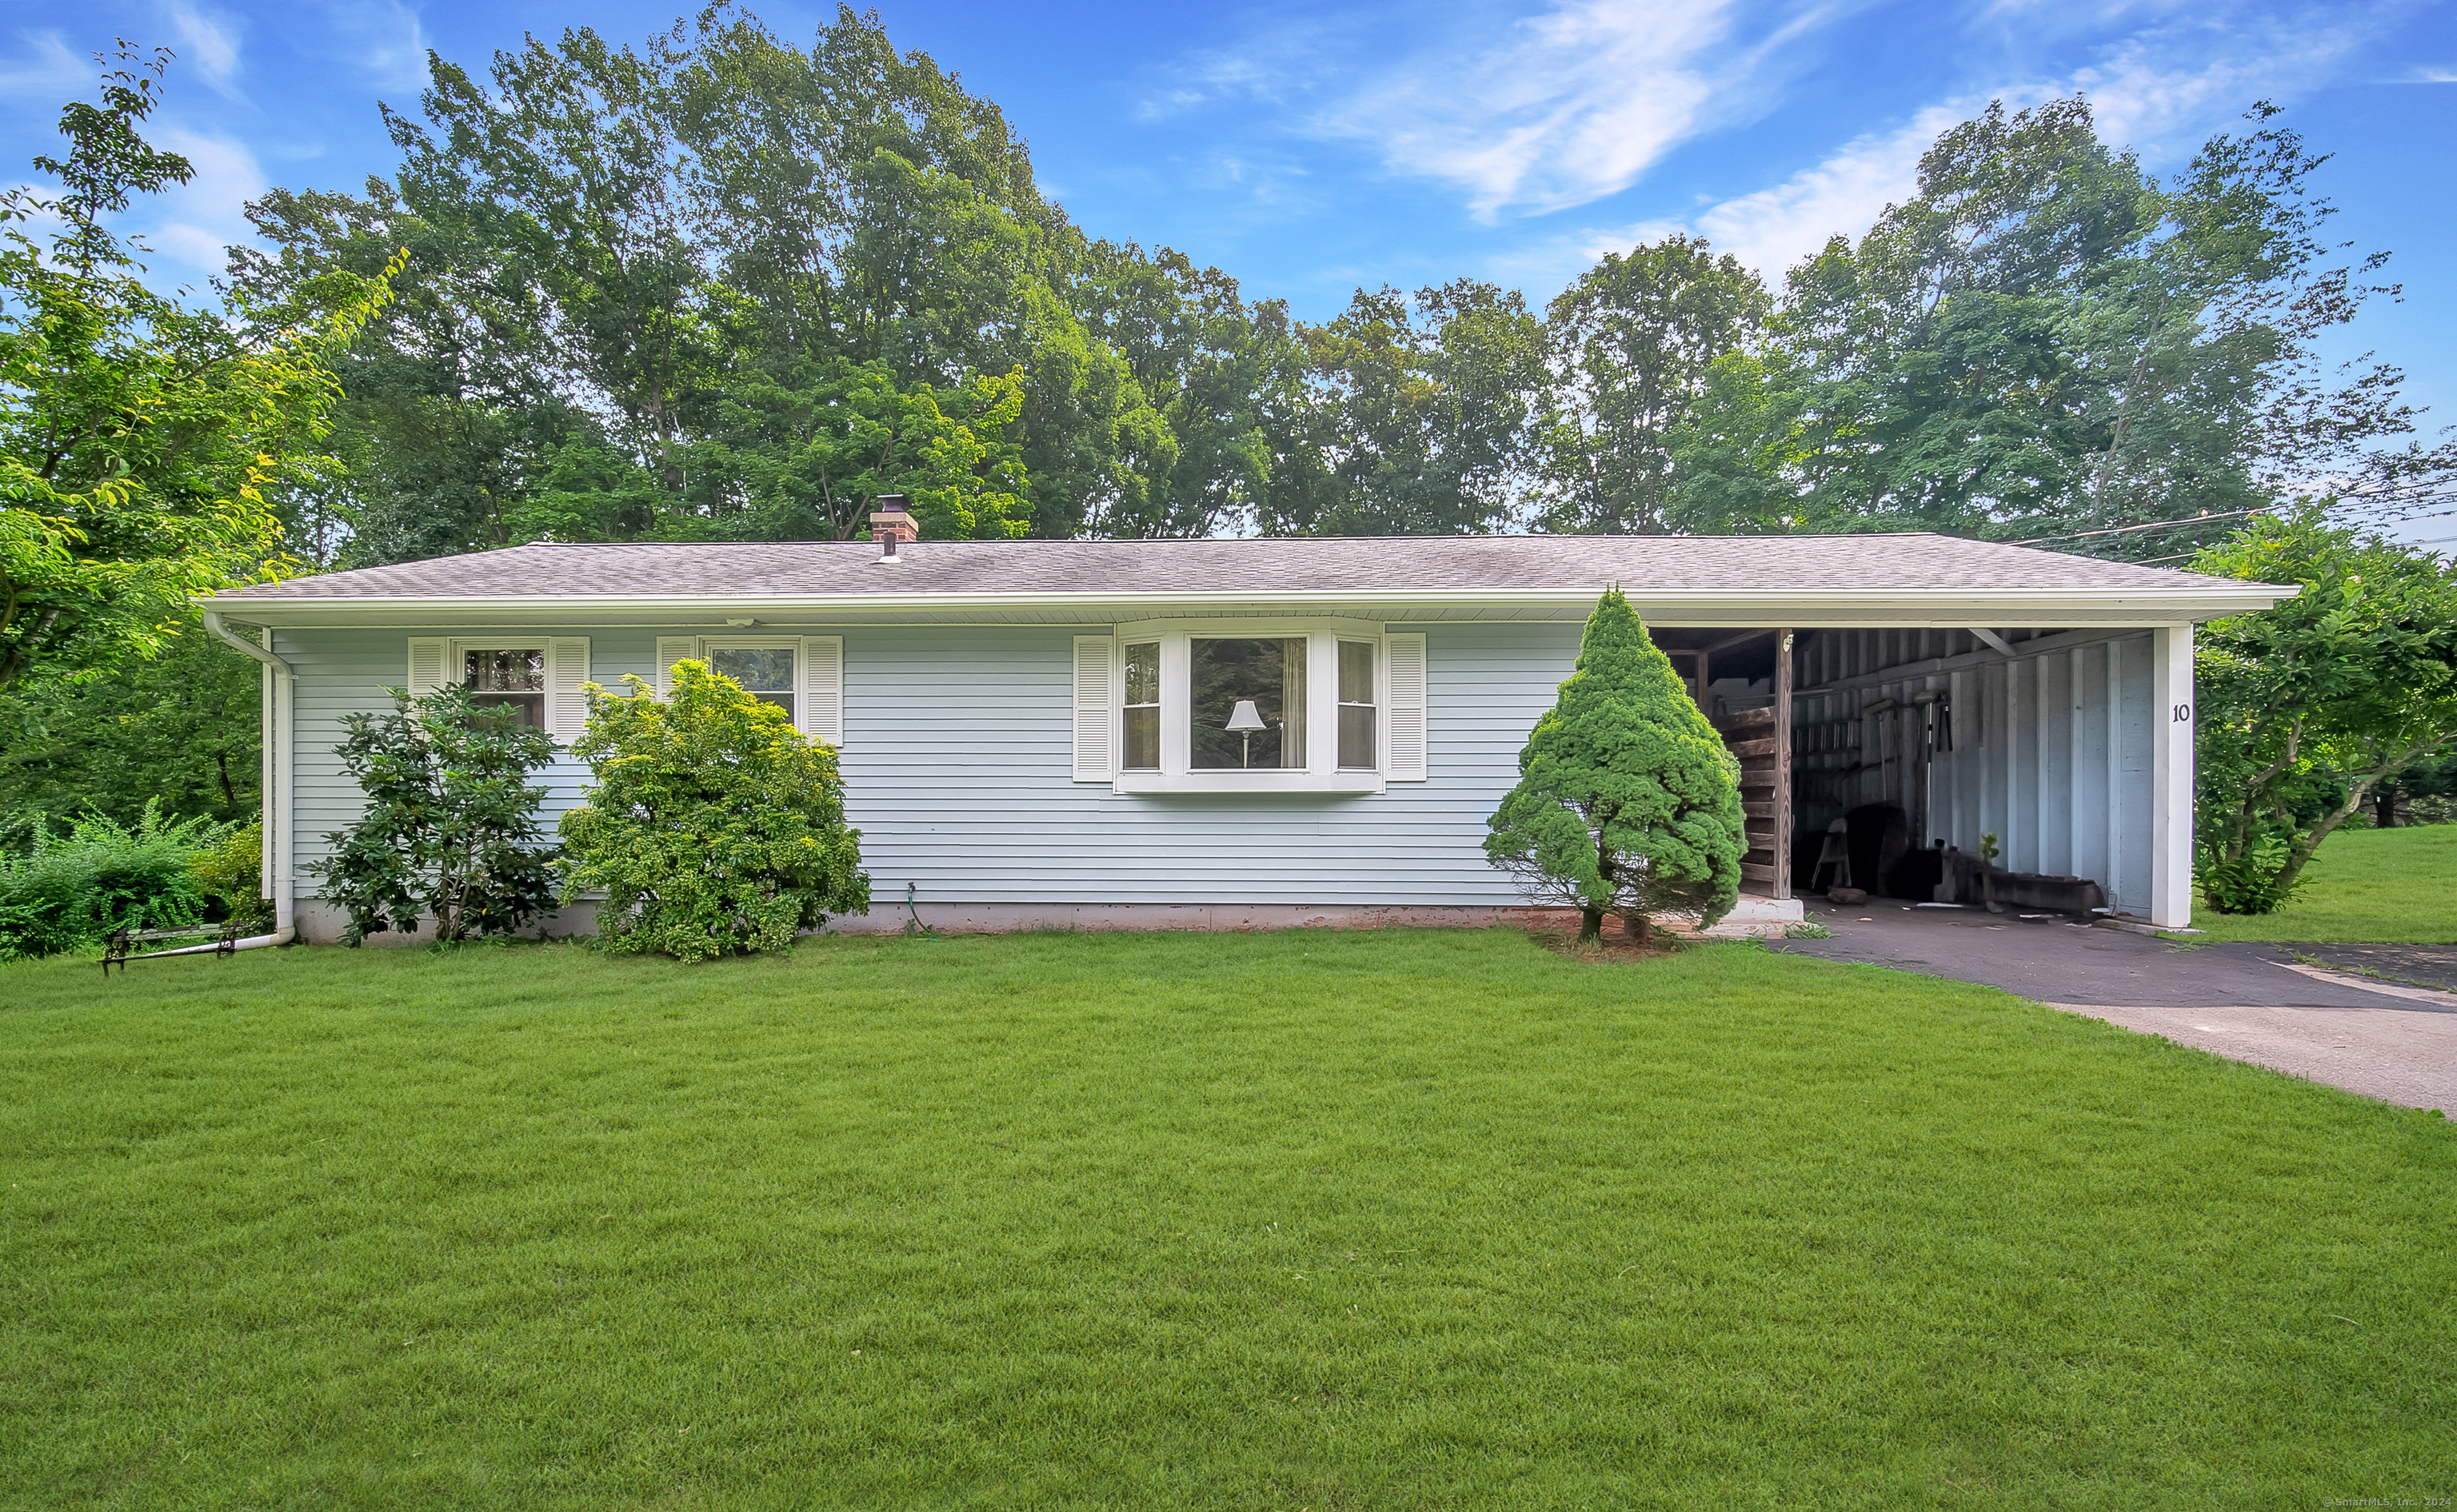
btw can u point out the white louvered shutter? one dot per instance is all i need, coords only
(819, 703)
(567, 707)
(1095, 713)
(672, 648)
(1405, 655)
(427, 663)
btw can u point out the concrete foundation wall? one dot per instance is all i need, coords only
(320, 923)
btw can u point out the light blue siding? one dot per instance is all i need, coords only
(342, 672)
(958, 765)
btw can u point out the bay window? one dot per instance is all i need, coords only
(1243, 691)
(1357, 745)
(1245, 705)
(1143, 706)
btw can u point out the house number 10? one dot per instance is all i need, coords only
(2183, 713)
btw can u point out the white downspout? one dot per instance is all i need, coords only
(277, 771)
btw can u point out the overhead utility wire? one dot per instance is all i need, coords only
(2152, 562)
(2191, 519)
(2122, 530)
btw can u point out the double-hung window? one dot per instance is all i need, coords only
(1359, 742)
(537, 673)
(1141, 749)
(507, 677)
(801, 674)
(1248, 706)
(766, 672)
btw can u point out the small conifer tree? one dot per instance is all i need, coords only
(1627, 800)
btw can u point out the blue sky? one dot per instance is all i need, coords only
(1310, 148)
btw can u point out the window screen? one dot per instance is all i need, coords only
(1357, 713)
(765, 672)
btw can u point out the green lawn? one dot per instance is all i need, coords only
(1303, 1220)
(2383, 886)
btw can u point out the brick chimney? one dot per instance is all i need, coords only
(893, 526)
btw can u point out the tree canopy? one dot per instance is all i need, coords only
(2307, 707)
(722, 286)
(141, 439)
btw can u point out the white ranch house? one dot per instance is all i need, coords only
(1257, 732)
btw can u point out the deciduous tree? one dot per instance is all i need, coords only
(1633, 344)
(139, 438)
(2304, 709)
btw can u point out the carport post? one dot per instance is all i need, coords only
(2171, 803)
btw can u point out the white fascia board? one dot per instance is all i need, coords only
(1824, 609)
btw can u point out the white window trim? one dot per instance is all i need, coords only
(1322, 773)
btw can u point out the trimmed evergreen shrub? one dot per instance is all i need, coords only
(715, 828)
(68, 892)
(1627, 800)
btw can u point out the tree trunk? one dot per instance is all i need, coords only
(1591, 925)
(2385, 808)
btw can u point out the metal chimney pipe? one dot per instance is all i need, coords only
(893, 525)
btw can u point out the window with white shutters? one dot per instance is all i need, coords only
(541, 676)
(1249, 706)
(802, 674)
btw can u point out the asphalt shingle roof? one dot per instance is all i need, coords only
(1131, 568)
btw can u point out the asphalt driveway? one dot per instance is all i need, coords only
(2392, 1035)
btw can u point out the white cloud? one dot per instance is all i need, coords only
(53, 72)
(384, 39)
(206, 214)
(209, 40)
(1535, 114)
(1575, 106)
(1275, 68)
(2162, 90)
(2184, 81)
(1775, 228)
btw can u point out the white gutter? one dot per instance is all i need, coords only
(282, 687)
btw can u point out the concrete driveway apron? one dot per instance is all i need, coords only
(2394, 1040)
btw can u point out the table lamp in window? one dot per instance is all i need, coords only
(1242, 722)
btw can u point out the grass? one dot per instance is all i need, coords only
(2369, 887)
(1301, 1221)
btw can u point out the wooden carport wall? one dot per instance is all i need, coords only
(1773, 875)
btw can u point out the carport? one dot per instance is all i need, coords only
(2070, 743)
